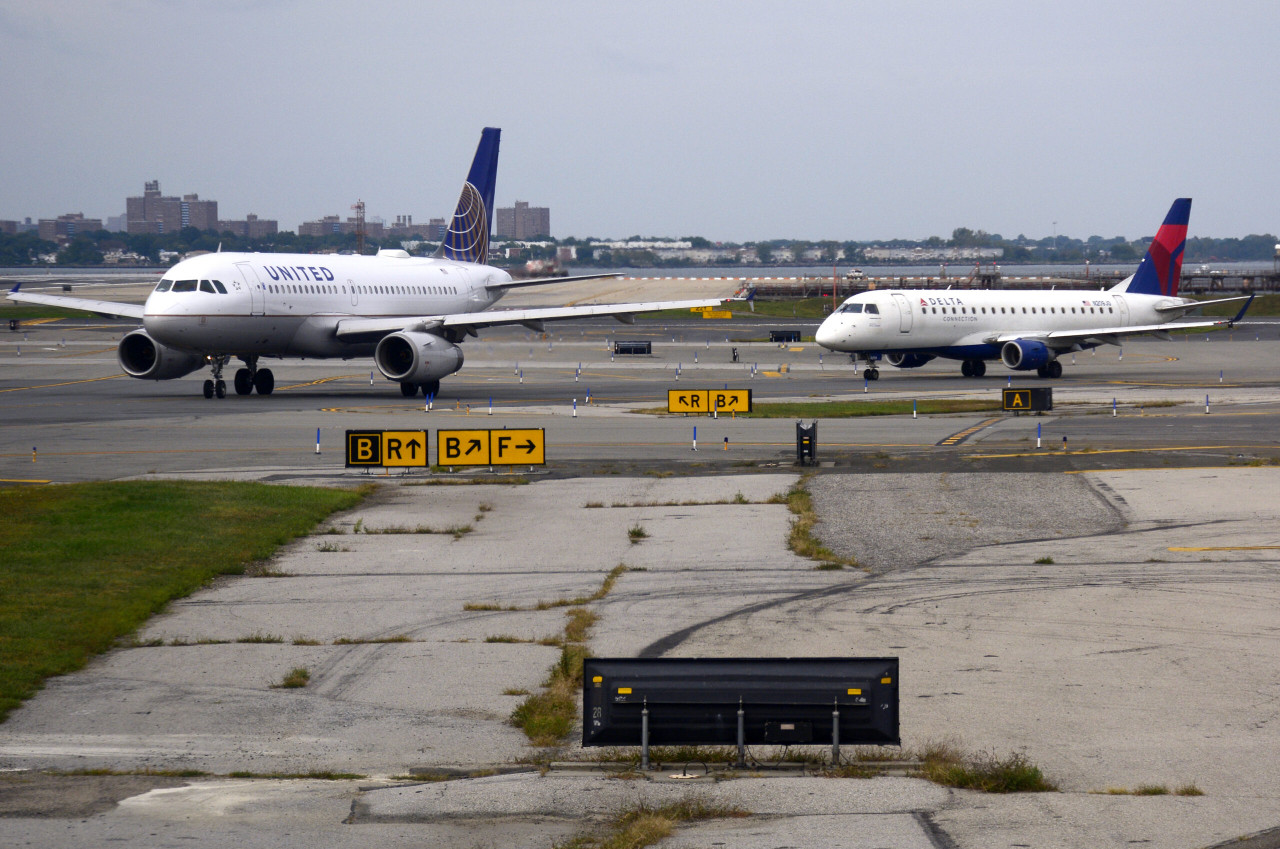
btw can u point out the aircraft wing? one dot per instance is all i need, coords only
(1106, 335)
(545, 281)
(107, 308)
(360, 329)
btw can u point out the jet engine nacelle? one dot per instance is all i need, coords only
(908, 360)
(1022, 355)
(143, 357)
(411, 357)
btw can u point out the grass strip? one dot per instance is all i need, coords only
(644, 826)
(547, 717)
(801, 539)
(87, 564)
(987, 772)
(854, 409)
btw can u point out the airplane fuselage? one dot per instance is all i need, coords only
(963, 324)
(288, 305)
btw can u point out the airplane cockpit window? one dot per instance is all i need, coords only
(184, 285)
(217, 284)
(206, 286)
(851, 308)
(872, 309)
(163, 285)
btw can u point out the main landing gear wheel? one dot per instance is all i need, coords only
(973, 368)
(208, 389)
(244, 381)
(220, 388)
(873, 374)
(264, 381)
(408, 390)
(1051, 369)
(430, 389)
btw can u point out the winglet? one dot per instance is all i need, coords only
(1161, 269)
(1243, 310)
(467, 238)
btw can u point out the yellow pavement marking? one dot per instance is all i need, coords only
(1058, 451)
(1224, 547)
(321, 380)
(21, 480)
(68, 383)
(957, 438)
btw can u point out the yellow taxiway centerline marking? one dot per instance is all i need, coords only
(68, 383)
(1058, 452)
(1223, 547)
(322, 380)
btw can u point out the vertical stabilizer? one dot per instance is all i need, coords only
(467, 238)
(1161, 268)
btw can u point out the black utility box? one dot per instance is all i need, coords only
(634, 347)
(784, 335)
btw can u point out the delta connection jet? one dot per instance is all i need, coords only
(1024, 330)
(409, 313)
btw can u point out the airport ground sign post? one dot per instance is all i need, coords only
(506, 447)
(393, 449)
(1035, 400)
(708, 402)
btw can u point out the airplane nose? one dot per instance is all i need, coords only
(827, 334)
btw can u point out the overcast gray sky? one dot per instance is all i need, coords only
(732, 120)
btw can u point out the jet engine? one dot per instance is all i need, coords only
(416, 358)
(143, 357)
(908, 360)
(1022, 355)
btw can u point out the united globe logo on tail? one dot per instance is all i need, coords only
(467, 239)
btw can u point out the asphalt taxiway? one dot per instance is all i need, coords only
(1096, 607)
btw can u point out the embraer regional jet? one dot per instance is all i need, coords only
(1025, 330)
(408, 312)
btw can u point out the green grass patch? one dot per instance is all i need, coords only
(297, 678)
(986, 772)
(801, 539)
(855, 409)
(13, 309)
(85, 565)
(1262, 305)
(645, 826)
(319, 775)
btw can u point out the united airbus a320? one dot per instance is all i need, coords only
(408, 313)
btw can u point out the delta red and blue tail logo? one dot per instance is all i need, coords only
(1161, 269)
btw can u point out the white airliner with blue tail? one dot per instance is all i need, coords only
(408, 313)
(1023, 329)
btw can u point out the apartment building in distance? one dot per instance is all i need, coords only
(66, 227)
(332, 225)
(152, 212)
(522, 221)
(252, 227)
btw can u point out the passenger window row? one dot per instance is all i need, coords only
(1013, 310)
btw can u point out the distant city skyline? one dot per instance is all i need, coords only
(734, 121)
